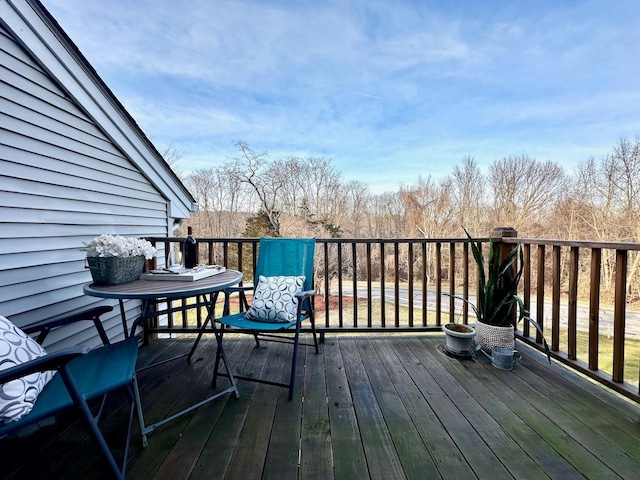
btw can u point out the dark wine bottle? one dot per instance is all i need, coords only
(190, 251)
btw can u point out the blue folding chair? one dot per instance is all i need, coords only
(277, 257)
(82, 376)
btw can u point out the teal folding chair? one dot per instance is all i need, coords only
(277, 257)
(82, 375)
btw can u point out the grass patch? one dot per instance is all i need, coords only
(358, 315)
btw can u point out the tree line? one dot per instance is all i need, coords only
(252, 195)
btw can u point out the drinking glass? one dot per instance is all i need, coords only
(175, 260)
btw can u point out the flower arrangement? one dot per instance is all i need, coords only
(118, 246)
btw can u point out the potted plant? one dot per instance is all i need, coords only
(458, 338)
(113, 259)
(498, 298)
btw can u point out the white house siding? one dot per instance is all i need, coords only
(62, 181)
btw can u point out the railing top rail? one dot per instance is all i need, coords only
(631, 246)
(328, 240)
(575, 243)
(397, 240)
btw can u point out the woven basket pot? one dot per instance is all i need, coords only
(115, 270)
(489, 336)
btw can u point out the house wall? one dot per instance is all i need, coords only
(62, 182)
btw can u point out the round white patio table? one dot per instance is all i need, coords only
(150, 292)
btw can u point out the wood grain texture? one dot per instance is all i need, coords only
(367, 406)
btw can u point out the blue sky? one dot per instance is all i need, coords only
(388, 90)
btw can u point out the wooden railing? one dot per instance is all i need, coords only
(390, 277)
(581, 295)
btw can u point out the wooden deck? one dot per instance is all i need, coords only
(381, 407)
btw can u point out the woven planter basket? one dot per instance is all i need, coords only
(489, 336)
(115, 270)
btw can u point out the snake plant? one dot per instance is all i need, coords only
(498, 288)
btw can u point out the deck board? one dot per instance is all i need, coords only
(367, 406)
(533, 412)
(483, 388)
(282, 458)
(568, 429)
(349, 460)
(414, 456)
(450, 404)
(443, 452)
(255, 438)
(218, 454)
(383, 460)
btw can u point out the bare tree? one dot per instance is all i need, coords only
(310, 184)
(220, 198)
(428, 207)
(622, 167)
(358, 207)
(172, 156)
(524, 189)
(254, 170)
(604, 204)
(429, 212)
(605, 194)
(387, 216)
(469, 195)
(291, 174)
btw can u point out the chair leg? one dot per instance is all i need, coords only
(292, 378)
(216, 364)
(132, 410)
(136, 396)
(98, 414)
(313, 331)
(100, 328)
(90, 423)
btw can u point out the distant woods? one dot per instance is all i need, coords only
(253, 195)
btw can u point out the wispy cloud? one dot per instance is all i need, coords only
(404, 87)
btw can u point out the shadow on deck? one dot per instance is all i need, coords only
(382, 407)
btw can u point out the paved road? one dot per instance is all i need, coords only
(632, 328)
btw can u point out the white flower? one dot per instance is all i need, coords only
(118, 246)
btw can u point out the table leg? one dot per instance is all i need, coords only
(202, 329)
(147, 429)
(123, 316)
(142, 319)
(218, 335)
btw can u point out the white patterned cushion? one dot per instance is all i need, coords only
(17, 397)
(274, 299)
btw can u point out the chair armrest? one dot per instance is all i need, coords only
(243, 298)
(93, 314)
(244, 288)
(52, 361)
(305, 293)
(303, 297)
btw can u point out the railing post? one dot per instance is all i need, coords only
(438, 284)
(497, 235)
(594, 307)
(540, 291)
(526, 294)
(452, 282)
(619, 313)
